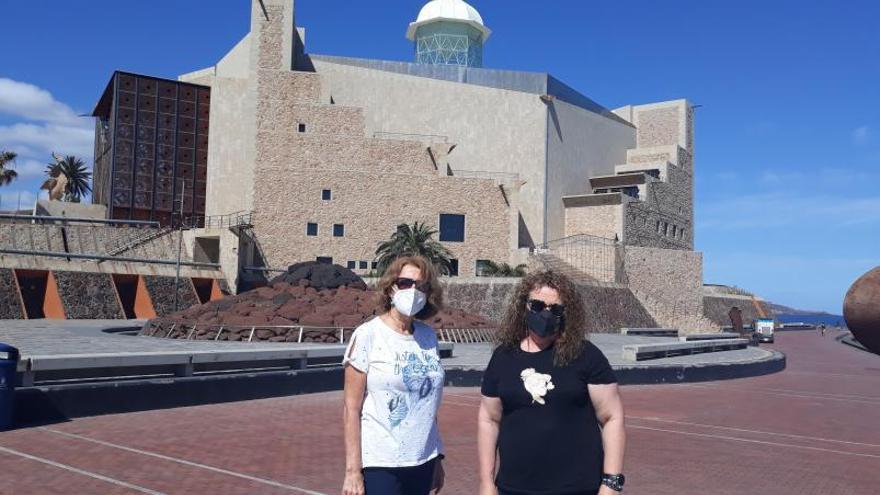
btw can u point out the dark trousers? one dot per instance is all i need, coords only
(414, 480)
(502, 492)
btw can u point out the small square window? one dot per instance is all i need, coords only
(364, 265)
(338, 230)
(326, 195)
(352, 265)
(301, 128)
(482, 267)
(453, 268)
(375, 265)
(311, 229)
(324, 260)
(451, 227)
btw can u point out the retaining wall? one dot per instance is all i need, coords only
(716, 308)
(10, 303)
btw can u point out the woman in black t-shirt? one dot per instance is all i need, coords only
(550, 407)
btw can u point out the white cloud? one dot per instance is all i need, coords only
(861, 135)
(32, 103)
(726, 176)
(48, 125)
(42, 139)
(29, 169)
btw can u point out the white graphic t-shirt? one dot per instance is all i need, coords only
(404, 389)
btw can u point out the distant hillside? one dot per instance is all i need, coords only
(779, 309)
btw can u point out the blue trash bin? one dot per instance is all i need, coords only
(8, 368)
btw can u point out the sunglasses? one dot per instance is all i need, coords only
(404, 283)
(536, 306)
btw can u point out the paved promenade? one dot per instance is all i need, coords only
(809, 430)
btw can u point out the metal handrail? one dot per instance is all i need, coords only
(188, 328)
(42, 219)
(397, 135)
(484, 174)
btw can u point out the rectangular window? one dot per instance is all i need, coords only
(375, 265)
(658, 226)
(352, 265)
(326, 260)
(453, 268)
(301, 128)
(326, 195)
(482, 267)
(674, 231)
(681, 233)
(451, 227)
(311, 229)
(338, 230)
(665, 228)
(364, 265)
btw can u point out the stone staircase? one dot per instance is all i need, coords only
(156, 242)
(549, 261)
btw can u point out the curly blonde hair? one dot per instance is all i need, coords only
(513, 327)
(429, 278)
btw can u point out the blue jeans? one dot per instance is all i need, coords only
(415, 480)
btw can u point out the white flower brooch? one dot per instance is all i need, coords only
(537, 384)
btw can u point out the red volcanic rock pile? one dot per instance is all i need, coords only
(324, 297)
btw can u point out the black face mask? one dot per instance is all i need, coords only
(544, 323)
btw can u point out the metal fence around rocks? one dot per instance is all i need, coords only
(193, 330)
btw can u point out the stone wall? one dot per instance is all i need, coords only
(88, 295)
(669, 283)
(667, 204)
(161, 290)
(370, 208)
(375, 184)
(601, 221)
(484, 296)
(716, 308)
(10, 301)
(609, 307)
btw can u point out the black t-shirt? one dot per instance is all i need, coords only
(551, 448)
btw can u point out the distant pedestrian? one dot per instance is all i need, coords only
(393, 388)
(550, 410)
(822, 328)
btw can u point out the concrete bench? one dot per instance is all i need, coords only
(179, 363)
(641, 352)
(709, 336)
(650, 332)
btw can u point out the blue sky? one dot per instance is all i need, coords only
(787, 141)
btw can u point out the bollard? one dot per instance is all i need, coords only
(8, 368)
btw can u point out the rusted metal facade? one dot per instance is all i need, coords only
(151, 148)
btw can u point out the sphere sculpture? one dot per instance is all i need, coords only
(861, 309)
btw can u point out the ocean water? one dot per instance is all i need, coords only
(829, 320)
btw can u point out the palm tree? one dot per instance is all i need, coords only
(7, 175)
(78, 176)
(492, 269)
(415, 240)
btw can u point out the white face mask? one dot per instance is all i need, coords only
(410, 301)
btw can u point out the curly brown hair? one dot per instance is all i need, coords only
(429, 278)
(513, 327)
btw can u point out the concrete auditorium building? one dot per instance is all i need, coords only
(288, 156)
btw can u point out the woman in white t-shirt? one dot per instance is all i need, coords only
(393, 388)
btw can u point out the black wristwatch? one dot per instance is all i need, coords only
(614, 481)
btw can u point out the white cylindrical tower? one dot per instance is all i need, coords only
(449, 32)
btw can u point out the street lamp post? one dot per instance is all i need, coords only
(179, 247)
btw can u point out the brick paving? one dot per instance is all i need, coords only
(809, 430)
